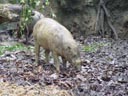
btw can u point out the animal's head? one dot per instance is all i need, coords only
(74, 55)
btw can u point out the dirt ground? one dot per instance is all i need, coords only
(104, 72)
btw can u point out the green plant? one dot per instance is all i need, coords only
(27, 7)
(15, 47)
(94, 47)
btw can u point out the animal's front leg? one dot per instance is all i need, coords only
(47, 55)
(64, 61)
(56, 61)
(37, 52)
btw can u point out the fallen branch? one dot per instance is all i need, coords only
(8, 12)
(11, 13)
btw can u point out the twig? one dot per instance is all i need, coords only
(97, 19)
(113, 29)
(102, 22)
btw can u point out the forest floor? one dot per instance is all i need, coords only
(104, 72)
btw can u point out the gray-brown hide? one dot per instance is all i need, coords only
(54, 37)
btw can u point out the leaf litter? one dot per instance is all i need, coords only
(104, 72)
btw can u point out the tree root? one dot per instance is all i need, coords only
(103, 17)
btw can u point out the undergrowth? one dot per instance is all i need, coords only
(16, 47)
(94, 47)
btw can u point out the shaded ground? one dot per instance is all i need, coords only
(105, 72)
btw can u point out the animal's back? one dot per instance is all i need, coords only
(49, 33)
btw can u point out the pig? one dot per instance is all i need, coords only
(55, 38)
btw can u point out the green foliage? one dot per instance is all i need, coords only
(28, 6)
(15, 47)
(94, 47)
(14, 1)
